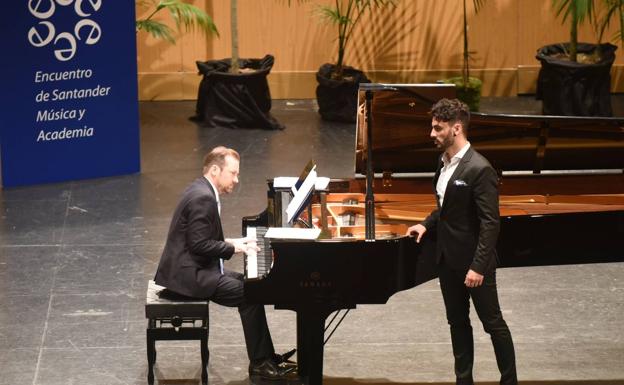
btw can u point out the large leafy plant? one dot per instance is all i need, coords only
(599, 15)
(612, 8)
(345, 15)
(477, 4)
(576, 12)
(234, 68)
(468, 88)
(185, 16)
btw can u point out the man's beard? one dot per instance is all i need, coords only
(446, 143)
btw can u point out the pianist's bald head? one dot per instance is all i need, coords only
(217, 157)
(452, 111)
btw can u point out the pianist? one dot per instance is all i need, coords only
(467, 224)
(192, 261)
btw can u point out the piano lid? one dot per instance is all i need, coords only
(401, 142)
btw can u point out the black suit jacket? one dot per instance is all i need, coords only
(467, 224)
(189, 264)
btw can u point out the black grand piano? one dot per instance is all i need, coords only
(561, 202)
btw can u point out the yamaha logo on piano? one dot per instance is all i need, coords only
(315, 281)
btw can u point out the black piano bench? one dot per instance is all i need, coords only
(174, 317)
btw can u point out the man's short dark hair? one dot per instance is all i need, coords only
(451, 110)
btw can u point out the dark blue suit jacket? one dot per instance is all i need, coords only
(189, 264)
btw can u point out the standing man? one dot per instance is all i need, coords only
(192, 261)
(467, 224)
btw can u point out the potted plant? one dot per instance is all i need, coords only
(338, 84)
(234, 92)
(575, 78)
(468, 87)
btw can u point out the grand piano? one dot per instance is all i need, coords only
(561, 185)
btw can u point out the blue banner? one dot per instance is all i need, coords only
(69, 90)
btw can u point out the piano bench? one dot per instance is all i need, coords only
(171, 317)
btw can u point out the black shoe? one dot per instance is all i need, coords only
(268, 370)
(283, 360)
(279, 358)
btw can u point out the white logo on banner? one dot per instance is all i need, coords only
(65, 43)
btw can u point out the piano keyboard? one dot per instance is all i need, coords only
(258, 264)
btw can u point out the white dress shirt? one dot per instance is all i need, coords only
(447, 171)
(216, 196)
(219, 210)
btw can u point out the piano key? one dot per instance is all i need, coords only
(251, 257)
(258, 263)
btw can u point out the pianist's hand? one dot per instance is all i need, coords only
(243, 245)
(416, 231)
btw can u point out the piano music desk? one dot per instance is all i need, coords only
(174, 317)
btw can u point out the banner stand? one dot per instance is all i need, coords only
(69, 95)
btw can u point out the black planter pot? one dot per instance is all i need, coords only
(337, 99)
(235, 100)
(575, 89)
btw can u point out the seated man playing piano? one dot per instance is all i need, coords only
(192, 261)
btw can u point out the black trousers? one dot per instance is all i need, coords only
(485, 299)
(257, 336)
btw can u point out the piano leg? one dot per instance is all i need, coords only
(310, 338)
(310, 341)
(302, 364)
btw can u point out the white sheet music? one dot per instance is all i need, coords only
(301, 195)
(284, 181)
(289, 182)
(292, 233)
(321, 183)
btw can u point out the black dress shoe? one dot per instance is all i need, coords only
(268, 370)
(284, 357)
(283, 360)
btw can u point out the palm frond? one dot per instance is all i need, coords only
(578, 10)
(156, 29)
(346, 15)
(189, 16)
(614, 8)
(331, 15)
(184, 15)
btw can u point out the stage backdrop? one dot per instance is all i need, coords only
(69, 90)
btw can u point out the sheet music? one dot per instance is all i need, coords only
(289, 182)
(301, 196)
(321, 183)
(284, 181)
(292, 233)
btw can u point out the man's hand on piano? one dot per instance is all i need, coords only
(243, 245)
(416, 231)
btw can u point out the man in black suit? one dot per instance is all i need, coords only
(192, 261)
(466, 224)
